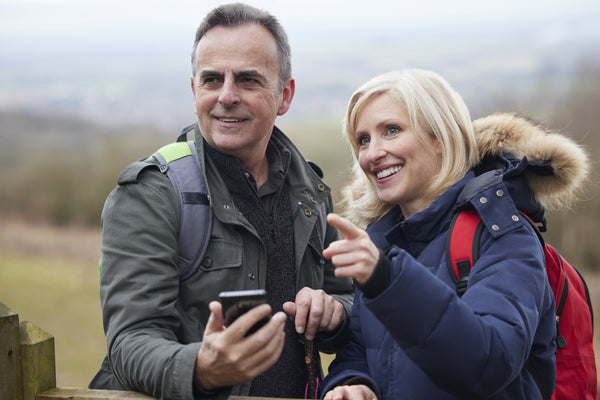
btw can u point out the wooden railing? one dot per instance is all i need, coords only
(28, 371)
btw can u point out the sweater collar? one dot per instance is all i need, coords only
(236, 176)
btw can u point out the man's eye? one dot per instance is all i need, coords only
(210, 81)
(249, 81)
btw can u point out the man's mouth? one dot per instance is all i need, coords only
(388, 172)
(230, 119)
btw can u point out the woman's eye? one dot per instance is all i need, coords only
(393, 130)
(363, 140)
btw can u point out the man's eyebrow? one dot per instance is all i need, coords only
(210, 73)
(251, 73)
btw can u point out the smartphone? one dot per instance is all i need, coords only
(238, 302)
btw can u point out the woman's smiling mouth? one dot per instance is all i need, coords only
(388, 172)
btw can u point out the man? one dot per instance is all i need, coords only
(165, 336)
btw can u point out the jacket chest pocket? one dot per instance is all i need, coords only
(222, 254)
(220, 269)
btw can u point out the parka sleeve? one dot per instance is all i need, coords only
(476, 345)
(350, 362)
(139, 287)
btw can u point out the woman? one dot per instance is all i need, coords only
(417, 161)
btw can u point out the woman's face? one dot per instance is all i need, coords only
(397, 163)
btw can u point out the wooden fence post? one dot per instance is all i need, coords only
(11, 382)
(37, 365)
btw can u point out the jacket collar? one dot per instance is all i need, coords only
(415, 232)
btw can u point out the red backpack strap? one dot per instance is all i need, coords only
(462, 246)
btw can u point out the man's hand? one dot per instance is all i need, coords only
(353, 392)
(354, 256)
(314, 311)
(227, 357)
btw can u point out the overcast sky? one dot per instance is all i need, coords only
(89, 14)
(47, 45)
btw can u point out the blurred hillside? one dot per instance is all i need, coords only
(128, 70)
(59, 170)
(79, 101)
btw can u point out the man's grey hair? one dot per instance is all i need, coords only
(236, 14)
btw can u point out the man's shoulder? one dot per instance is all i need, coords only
(297, 156)
(133, 172)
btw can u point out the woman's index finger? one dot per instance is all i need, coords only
(346, 228)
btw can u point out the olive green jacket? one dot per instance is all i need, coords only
(153, 321)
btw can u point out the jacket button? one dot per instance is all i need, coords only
(313, 200)
(515, 218)
(226, 206)
(206, 262)
(483, 200)
(163, 168)
(308, 212)
(251, 276)
(499, 193)
(495, 227)
(321, 187)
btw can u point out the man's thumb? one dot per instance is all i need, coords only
(215, 320)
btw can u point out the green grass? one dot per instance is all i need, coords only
(59, 295)
(49, 277)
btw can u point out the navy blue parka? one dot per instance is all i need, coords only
(417, 339)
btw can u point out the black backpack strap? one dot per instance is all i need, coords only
(184, 132)
(462, 246)
(587, 294)
(564, 292)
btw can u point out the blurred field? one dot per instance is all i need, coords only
(49, 276)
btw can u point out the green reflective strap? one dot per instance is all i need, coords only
(174, 151)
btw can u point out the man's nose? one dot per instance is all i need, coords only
(229, 94)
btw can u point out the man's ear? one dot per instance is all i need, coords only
(286, 97)
(193, 94)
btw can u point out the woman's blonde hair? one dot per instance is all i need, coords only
(432, 107)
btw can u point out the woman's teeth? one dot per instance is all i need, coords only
(388, 171)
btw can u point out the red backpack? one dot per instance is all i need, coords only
(575, 363)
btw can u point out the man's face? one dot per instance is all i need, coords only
(236, 89)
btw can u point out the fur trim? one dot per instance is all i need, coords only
(507, 133)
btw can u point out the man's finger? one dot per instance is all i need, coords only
(346, 228)
(247, 320)
(289, 308)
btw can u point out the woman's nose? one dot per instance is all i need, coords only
(375, 150)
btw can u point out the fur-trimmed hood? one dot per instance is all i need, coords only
(515, 137)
